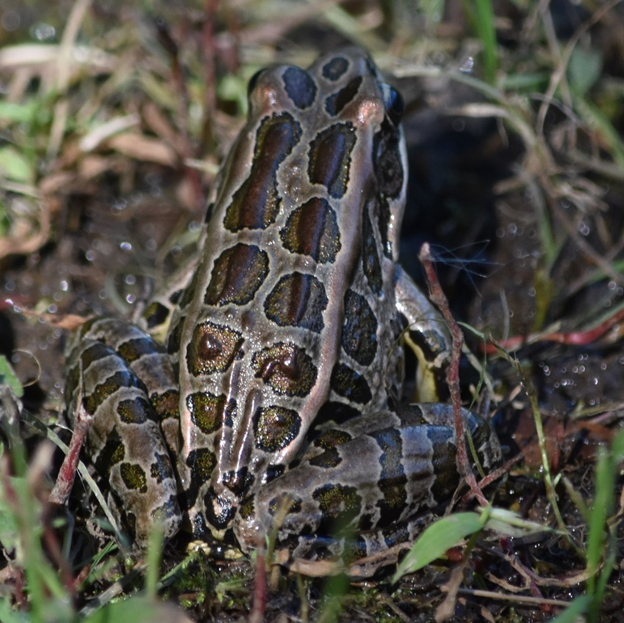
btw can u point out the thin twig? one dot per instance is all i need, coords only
(522, 599)
(65, 480)
(452, 375)
(260, 587)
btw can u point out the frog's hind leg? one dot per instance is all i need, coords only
(109, 361)
(369, 476)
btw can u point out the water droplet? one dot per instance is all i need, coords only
(43, 31)
(467, 66)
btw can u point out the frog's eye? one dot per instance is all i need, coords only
(393, 103)
(253, 81)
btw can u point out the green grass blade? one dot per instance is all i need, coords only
(437, 539)
(481, 17)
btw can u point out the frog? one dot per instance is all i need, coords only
(263, 390)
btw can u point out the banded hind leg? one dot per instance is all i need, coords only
(365, 479)
(126, 384)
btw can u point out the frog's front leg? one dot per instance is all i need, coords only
(126, 384)
(370, 479)
(428, 337)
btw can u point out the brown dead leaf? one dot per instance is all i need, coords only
(143, 148)
(70, 322)
(92, 166)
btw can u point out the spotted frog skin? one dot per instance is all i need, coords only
(277, 399)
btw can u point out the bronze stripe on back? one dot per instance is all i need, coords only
(330, 158)
(256, 203)
(312, 229)
(297, 300)
(237, 275)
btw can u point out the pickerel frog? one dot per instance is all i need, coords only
(277, 400)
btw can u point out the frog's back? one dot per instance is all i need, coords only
(291, 312)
